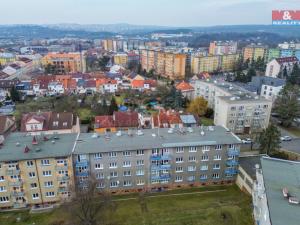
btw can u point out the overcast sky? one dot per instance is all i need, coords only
(146, 12)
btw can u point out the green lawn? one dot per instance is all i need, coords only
(222, 205)
(293, 130)
(206, 121)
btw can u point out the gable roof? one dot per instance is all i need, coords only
(126, 119)
(184, 86)
(291, 59)
(4, 121)
(104, 122)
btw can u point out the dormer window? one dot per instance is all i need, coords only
(65, 124)
(55, 123)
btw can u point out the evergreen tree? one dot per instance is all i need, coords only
(269, 140)
(284, 73)
(251, 73)
(113, 107)
(14, 94)
(294, 78)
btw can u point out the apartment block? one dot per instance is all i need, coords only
(35, 171)
(157, 159)
(222, 48)
(200, 64)
(253, 52)
(6, 58)
(66, 62)
(121, 59)
(243, 113)
(228, 62)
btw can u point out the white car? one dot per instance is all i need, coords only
(285, 138)
(247, 141)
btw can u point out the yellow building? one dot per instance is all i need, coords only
(6, 58)
(108, 45)
(228, 62)
(253, 52)
(66, 62)
(121, 59)
(36, 171)
(200, 64)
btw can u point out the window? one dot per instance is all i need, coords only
(35, 196)
(55, 123)
(218, 147)
(114, 184)
(2, 188)
(179, 150)
(47, 173)
(127, 173)
(63, 172)
(193, 149)
(98, 156)
(65, 124)
(31, 174)
(179, 160)
(178, 179)
(231, 146)
(99, 176)
(33, 185)
(127, 183)
(2, 178)
(114, 174)
(216, 166)
(48, 184)
(45, 162)
(113, 165)
(126, 164)
(140, 152)
(62, 161)
(140, 162)
(191, 178)
(99, 166)
(50, 194)
(203, 177)
(191, 168)
(4, 199)
(140, 182)
(217, 157)
(192, 158)
(179, 169)
(112, 154)
(140, 172)
(205, 158)
(29, 163)
(127, 153)
(155, 151)
(205, 148)
(99, 185)
(204, 167)
(215, 176)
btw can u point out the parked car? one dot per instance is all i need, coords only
(247, 141)
(285, 138)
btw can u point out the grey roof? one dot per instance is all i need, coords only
(279, 174)
(248, 164)
(89, 143)
(14, 146)
(244, 98)
(188, 119)
(258, 81)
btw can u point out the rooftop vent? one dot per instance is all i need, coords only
(232, 98)
(26, 149)
(119, 133)
(38, 149)
(45, 138)
(34, 141)
(171, 131)
(18, 144)
(139, 133)
(202, 133)
(211, 128)
(95, 135)
(53, 141)
(153, 135)
(190, 130)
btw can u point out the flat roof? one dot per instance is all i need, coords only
(90, 143)
(248, 164)
(279, 174)
(58, 145)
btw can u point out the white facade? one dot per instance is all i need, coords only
(273, 68)
(270, 92)
(56, 88)
(243, 114)
(110, 88)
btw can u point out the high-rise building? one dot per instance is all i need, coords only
(121, 59)
(221, 48)
(200, 64)
(253, 52)
(66, 62)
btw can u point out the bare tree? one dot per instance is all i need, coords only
(89, 206)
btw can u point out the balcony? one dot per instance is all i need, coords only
(232, 163)
(18, 194)
(161, 177)
(16, 183)
(160, 167)
(63, 178)
(62, 189)
(81, 163)
(11, 172)
(231, 171)
(160, 157)
(82, 174)
(18, 205)
(233, 152)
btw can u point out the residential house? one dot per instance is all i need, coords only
(7, 125)
(186, 89)
(167, 119)
(275, 68)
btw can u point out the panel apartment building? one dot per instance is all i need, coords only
(35, 171)
(254, 51)
(237, 109)
(64, 63)
(168, 64)
(147, 160)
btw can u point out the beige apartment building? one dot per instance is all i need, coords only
(200, 64)
(253, 52)
(35, 171)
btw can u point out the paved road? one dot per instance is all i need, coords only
(293, 145)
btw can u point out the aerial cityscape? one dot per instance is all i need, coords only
(150, 113)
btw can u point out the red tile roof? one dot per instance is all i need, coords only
(119, 119)
(104, 122)
(184, 86)
(167, 117)
(292, 59)
(137, 83)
